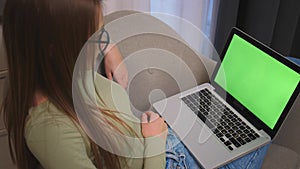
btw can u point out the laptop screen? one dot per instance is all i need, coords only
(259, 82)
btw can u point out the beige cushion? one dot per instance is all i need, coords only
(289, 135)
(166, 77)
(118, 14)
(285, 150)
(279, 157)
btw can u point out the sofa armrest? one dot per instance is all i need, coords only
(288, 135)
(279, 157)
(284, 152)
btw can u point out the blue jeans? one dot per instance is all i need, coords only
(178, 156)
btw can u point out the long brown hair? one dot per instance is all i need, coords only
(43, 39)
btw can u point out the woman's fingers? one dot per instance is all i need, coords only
(153, 125)
(149, 117)
(144, 118)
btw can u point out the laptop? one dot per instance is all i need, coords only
(242, 108)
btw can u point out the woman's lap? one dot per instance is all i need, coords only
(177, 156)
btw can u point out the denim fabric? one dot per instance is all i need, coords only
(296, 60)
(178, 156)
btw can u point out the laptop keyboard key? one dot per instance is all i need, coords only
(222, 139)
(235, 128)
(224, 132)
(219, 135)
(242, 127)
(235, 135)
(240, 140)
(234, 120)
(227, 143)
(230, 148)
(247, 139)
(227, 127)
(246, 131)
(199, 114)
(238, 123)
(234, 142)
(243, 136)
(228, 135)
(251, 136)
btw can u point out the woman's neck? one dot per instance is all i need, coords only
(38, 98)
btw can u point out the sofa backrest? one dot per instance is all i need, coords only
(159, 61)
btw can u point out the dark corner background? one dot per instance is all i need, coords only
(276, 23)
(1, 9)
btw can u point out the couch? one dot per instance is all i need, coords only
(155, 83)
(158, 78)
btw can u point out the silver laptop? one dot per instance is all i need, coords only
(251, 91)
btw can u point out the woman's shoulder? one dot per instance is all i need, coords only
(46, 113)
(53, 138)
(47, 118)
(45, 122)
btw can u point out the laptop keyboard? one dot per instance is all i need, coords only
(226, 125)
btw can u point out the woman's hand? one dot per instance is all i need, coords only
(115, 67)
(153, 125)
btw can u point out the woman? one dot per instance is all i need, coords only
(43, 39)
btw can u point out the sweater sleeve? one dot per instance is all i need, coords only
(155, 155)
(58, 144)
(151, 154)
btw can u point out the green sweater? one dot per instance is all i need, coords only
(58, 144)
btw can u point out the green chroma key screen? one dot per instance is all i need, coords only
(258, 81)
